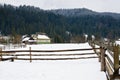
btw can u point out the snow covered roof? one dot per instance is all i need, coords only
(24, 36)
(26, 39)
(117, 42)
(42, 37)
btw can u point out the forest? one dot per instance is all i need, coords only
(60, 28)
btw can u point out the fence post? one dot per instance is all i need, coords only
(116, 59)
(0, 54)
(94, 47)
(103, 59)
(100, 54)
(12, 59)
(30, 55)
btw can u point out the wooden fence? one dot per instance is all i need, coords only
(109, 58)
(12, 56)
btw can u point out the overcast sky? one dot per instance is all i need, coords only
(96, 5)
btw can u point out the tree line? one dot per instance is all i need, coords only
(29, 20)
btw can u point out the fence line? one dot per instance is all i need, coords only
(109, 61)
(15, 56)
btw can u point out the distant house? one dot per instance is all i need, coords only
(25, 40)
(28, 40)
(41, 38)
(117, 42)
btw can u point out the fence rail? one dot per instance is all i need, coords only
(46, 54)
(13, 51)
(56, 58)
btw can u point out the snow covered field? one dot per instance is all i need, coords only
(82, 69)
(88, 69)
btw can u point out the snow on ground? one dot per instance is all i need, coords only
(88, 69)
(80, 69)
(55, 46)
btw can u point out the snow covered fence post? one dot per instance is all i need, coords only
(102, 58)
(30, 55)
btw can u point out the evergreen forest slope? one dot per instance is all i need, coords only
(58, 23)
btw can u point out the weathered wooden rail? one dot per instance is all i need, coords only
(109, 58)
(13, 51)
(46, 54)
